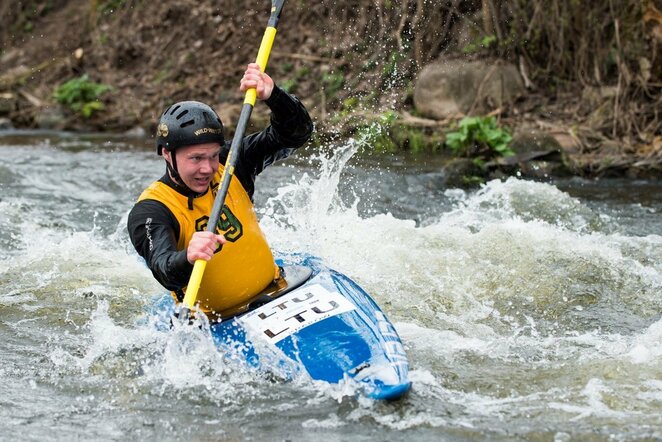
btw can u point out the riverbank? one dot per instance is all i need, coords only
(356, 70)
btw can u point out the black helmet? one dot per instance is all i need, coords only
(187, 123)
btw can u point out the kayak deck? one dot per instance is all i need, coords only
(328, 327)
(319, 324)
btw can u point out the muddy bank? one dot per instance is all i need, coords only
(351, 63)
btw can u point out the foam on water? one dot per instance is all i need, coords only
(518, 274)
(647, 347)
(520, 304)
(517, 246)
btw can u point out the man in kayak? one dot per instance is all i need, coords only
(167, 225)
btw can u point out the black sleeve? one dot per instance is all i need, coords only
(290, 128)
(153, 230)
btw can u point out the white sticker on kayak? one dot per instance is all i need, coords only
(295, 310)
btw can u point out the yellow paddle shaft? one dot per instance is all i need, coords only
(251, 96)
(194, 283)
(262, 59)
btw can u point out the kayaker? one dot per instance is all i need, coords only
(167, 225)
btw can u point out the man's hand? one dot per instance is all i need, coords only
(203, 245)
(262, 83)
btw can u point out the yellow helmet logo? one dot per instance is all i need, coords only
(162, 130)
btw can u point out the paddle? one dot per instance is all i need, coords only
(249, 101)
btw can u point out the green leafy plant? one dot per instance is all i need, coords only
(110, 6)
(415, 139)
(287, 67)
(485, 42)
(291, 84)
(393, 72)
(81, 95)
(332, 83)
(480, 138)
(377, 133)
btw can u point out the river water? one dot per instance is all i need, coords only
(528, 310)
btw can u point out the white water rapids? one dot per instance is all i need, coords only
(529, 310)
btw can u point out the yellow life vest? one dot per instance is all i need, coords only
(244, 266)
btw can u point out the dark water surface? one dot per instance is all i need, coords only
(529, 311)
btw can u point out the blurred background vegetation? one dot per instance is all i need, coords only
(594, 67)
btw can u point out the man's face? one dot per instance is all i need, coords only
(196, 164)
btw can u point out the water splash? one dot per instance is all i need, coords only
(516, 303)
(526, 201)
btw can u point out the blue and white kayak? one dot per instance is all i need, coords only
(323, 325)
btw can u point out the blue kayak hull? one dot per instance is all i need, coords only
(328, 329)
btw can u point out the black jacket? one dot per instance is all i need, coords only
(154, 230)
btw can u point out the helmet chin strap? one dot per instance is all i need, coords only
(172, 169)
(174, 174)
(177, 179)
